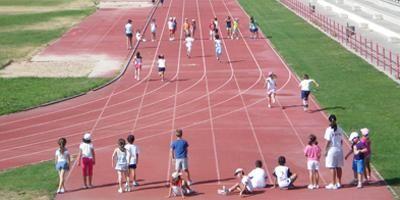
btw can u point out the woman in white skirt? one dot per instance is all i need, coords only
(334, 153)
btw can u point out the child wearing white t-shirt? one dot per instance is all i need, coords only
(189, 43)
(87, 159)
(284, 178)
(62, 161)
(243, 186)
(134, 159)
(305, 86)
(161, 66)
(258, 176)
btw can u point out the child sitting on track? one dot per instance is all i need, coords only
(243, 186)
(178, 186)
(62, 161)
(284, 178)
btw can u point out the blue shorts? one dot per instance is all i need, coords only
(358, 166)
(132, 166)
(305, 94)
(62, 165)
(161, 69)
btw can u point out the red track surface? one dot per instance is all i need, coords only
(220, 106)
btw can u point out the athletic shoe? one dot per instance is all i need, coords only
(127, 189)
(62, 190)
(338, 185)
(359, 185)
(135, 183)
(331, 187)
(269, 105)
(188, 191)
(189, 182)
(311, 187)
(353, 182)
(58, 191)
(120, 190)
(316, 186)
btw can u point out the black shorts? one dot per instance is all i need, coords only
(305, 94)
(132, 166)
(129, 35)
(161, 69)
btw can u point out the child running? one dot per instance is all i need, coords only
(87, 158)
(119, 157)
(153, 29)
(305, 86)
(228, 22)
(313, 154)
(171, 29)
(284, 178)
(358, 149)
(189, 43)
(367, 155)
(62, 160)
(133, 153)
(218, 47)
(128, 33)
(186, 27)
(161, 66)
(178, 186)
(271, 88)
(138, 65)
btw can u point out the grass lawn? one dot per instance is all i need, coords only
(20, 93)
(32, 2)
(30, 182)
(368, 97)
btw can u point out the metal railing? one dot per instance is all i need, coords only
(373, 52)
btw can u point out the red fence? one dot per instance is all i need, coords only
(371, 51)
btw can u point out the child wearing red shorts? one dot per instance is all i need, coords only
(86, 159)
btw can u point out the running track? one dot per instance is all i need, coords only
(220, 106)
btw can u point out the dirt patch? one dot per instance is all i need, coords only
(77, 4)
(64, 66)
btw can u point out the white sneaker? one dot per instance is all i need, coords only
(127, 189)
(316, 186)
(359, 185)
(120, 190)
(58, 191)
(62, 190)
(331, 187)
(189, 183)
(338, 185)
(135, 183)
(311, 187)
(354, 182)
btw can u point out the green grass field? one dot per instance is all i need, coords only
(363, 97)
(30, 182)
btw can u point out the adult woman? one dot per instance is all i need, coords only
(334, 152)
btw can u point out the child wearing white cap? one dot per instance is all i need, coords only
(367, 156)
(244, 185)
(358, 149)
(87, 159)
(178, 186)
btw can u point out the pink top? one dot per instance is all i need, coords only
(367, 143)
(312, 152)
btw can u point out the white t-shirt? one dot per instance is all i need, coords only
(215, 23)
(258, 177)
(138, 36)
(170, 25)
(246, 181)
(86, 149)
(218, 44)
(271, 84)
(62, 157)
(189, 41)
(282, 175)
(335, 137)
(128, 28)
(133, 151)
(161, 63)
(305, 84)
(153, 27)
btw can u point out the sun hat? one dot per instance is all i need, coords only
(238, 170)
(175, 175)
(364, 131)
(352, 136)
(87, 136)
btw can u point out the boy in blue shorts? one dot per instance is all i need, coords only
(358, 149)
(179, 151)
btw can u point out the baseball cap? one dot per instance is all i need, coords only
(364, 131)
(175, 175)
(352, 136)
(87, 136)
(238, 170)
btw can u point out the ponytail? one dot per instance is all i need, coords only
(121, 145)
(332, 120)
(62, 142)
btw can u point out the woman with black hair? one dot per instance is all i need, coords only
(334, 152)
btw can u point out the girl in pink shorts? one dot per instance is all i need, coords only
(86, 159)
(138, 65)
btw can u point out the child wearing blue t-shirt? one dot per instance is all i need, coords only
(179, 150)
(358, 149)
